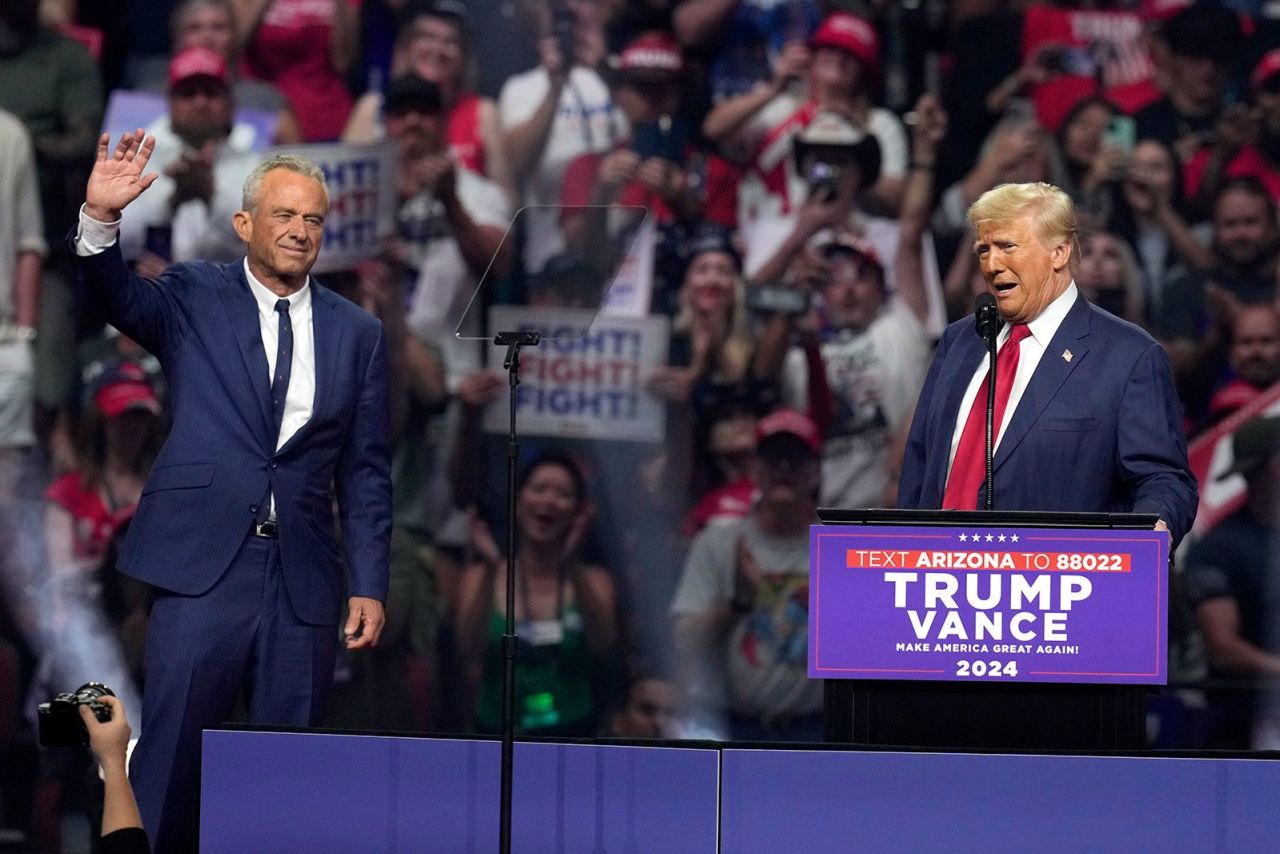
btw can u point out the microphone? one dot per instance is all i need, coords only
(987, 322)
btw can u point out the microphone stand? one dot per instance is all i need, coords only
(513, 341)
(991, 420)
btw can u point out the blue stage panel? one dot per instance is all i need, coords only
(820, 801)
(274, 791)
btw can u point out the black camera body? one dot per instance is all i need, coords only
(59, 719)
(564, 27)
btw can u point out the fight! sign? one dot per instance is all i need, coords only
(988, 604)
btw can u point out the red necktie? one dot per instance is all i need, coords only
(969, 469)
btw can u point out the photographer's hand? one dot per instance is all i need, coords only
(109, 741)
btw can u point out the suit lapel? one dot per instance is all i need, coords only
(242, 312)
(326, 333)
(1050, 374)
(972, 352)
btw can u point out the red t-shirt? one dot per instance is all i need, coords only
(291, 50)
(720, 188)
(93, 523)
(731, 501)
(465, 138)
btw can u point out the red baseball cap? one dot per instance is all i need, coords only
(124, 387)
(789, 422)
(198, 62)
(1268, 66)
(652, 54)
(851, 34)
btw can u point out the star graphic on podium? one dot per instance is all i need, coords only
(990, 538)
(1013, 537)
(974, 536)
(964, 538)
(1001, 538)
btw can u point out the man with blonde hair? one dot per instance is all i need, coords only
(1086, 414)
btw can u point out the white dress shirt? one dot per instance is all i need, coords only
(1042, 330)
(94, 236)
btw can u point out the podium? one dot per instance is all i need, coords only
(871, 569)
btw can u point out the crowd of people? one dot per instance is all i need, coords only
(805, 168)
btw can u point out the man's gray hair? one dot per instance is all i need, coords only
(292, 162)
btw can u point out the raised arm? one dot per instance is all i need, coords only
(928, 132)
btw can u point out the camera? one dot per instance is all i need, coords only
(824, 180)
(777, 299)
(59, 719)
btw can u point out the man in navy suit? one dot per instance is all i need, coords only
(1091, 421)
(279, 394)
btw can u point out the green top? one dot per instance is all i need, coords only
(554, 693)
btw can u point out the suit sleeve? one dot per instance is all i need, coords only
(1151, 451)
(363, 483)
(915, 456)
(147, 310)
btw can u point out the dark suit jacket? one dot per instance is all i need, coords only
(201, 321)
(1099, 432)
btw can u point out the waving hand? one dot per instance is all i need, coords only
(117, 178)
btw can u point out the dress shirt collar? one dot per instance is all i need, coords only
(299, 300)
(1045, 325)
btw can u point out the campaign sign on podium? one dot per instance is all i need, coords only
(988, 604)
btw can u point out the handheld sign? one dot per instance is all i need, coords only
(986, 604)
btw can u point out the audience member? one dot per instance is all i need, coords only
(22, 251)
(1230, 581)
(1202, 42)
(874, 350)
(566, 610)
(305, 48)
(653, 709)
(1108, 275)
(741, 610)
(1254, 358)
(450, 224)
(837, 70)
(1149, 212)
(743, 37)
(211, 24)
(553, 113)
(435, 44)
(203, 157)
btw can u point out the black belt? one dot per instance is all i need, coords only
(268, 530)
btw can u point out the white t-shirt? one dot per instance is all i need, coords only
(765, 661)
(199, 231)
(586, 121)
(874, 376)
(445, 283)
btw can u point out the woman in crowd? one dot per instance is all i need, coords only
(306, 48)
(434, 44)
(1086, 160)
(566, 610)
(1148, 212)
(713, 361)
(1109, 276)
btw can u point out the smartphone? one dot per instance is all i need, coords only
(1121, 132)
(159, 241)
(666, 138)
(777, 299)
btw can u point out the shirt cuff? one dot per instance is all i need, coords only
(93, 236)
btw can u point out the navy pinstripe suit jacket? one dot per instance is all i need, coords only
(200, 320)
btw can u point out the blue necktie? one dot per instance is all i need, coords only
(284, 364)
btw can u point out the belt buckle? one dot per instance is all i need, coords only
(267, 530)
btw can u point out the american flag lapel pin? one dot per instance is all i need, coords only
(1066, 355)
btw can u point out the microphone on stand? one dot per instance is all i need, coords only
(987, 323)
